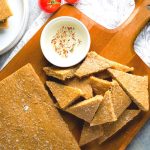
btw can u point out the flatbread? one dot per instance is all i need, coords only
(83, 85)
(28, 119)
(60, 73)
(100, 86)
(5, 11)
(86, 109)
(95, 63)
(92, 64)
(120, 67)
(120, 99)
(90, 134)
(135, 86)
(105, 112)
(65, 95)
(111, 128)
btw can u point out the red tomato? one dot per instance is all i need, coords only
(49, 6)
(72, 1)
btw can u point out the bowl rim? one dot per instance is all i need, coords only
(74, 20)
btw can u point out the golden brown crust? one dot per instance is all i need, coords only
(28, 119)
(83, 85)
(86, 109)
(90, 134)
(135, 86)
(65, 95)
(111, 128)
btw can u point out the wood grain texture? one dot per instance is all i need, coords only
(114, 44)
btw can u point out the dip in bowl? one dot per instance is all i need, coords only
(65, 41)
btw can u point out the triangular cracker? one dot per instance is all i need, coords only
(135, 86)
(5, 11)
(86, 109)
(83, 85)
(120, 99)
(111, 128)
(100, 86)
(65, 95)
(90, 134)
(120, 67)
(28, 119)
(92, 64)
(105, 112)
(60, 73)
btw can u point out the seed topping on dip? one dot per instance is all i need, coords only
(65, 40)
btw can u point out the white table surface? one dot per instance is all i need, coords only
(109, 13)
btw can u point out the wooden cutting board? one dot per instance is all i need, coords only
(114, 44)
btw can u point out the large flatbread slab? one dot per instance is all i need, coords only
(86, 109)
(60, 73)
(83, 85)
(111, 128)
(90, 134)
(5, 11)
(28, 119)
(100, 86)
(105, 112)
(92, 64)
(135, 86)
(65, 95)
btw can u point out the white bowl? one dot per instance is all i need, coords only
(78, 54)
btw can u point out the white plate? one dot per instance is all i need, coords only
(17, 25)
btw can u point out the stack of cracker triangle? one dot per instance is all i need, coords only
(105, 105)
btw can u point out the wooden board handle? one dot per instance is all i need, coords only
(121, 45)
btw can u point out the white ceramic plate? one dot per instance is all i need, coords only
(17, 25)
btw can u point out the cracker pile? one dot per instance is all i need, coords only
(99, 91)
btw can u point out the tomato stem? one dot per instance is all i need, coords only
(53, 2)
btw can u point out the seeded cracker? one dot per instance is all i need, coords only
(135, 86)
(83, 85)
(111, 128)
(28, 119)
(92, 64)
(86, 109)
(120, 99)
(65, 95)
(60, 73)
(90, 134)
(105, 112)
(95, 63)
(100, 86)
